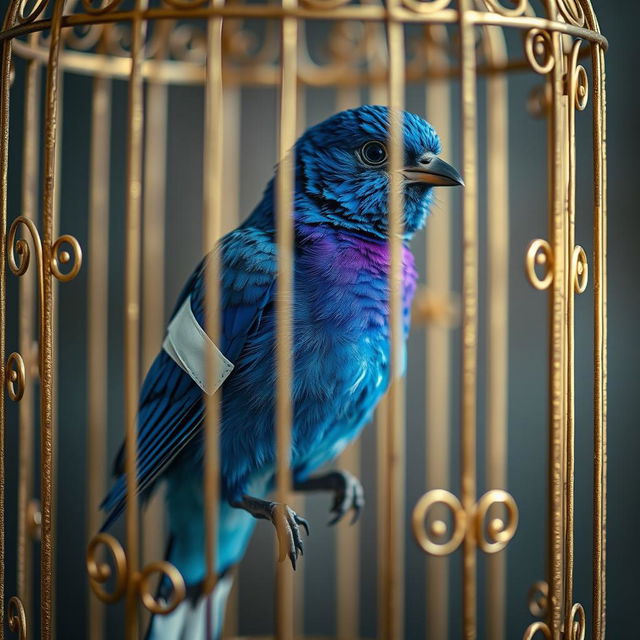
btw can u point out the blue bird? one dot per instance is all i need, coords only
(340, 353)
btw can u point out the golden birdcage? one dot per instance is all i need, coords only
(453, 54)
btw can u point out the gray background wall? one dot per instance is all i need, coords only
(527, 342)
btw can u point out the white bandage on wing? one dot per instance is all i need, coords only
(189, 346)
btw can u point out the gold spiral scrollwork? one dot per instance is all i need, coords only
(100, 572)
(571, 11)
(576, 625)
(177, 585)
(533, 629)
(25, 15)
(579, 269)
(16, 617)
(498, 531)
(538, 599)
(103, 6)
(578, 81)
(15, 376)
(20, 247)
(59, 256)
(426, 6)
(510, 12)
(539, 253)
(431, 540)
(538, 47)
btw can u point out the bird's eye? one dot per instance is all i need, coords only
(373, 153)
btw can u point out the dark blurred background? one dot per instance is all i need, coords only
(527, 422)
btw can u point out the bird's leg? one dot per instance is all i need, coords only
(286, 521)
(347, 492)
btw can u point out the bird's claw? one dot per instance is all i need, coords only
(349, 495)
(287, 523)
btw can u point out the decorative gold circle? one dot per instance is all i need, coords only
(177, 583)
(16, 617)
(497, 7)
(538, 47)
(420, 512)
(499, 532)
(579, 269)
(100, 572)
(539, 247)
(538, 599)
(576, 626)
(64, 258)
(15, 377)
(581, 88)
(534, 627)
(426, 6)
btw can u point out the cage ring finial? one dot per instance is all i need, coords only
(532, 631)
(498, 531)
(539, 253)
(538, 47)
(16, 617)
(15, 376)
(100, 572)
(179, 589)
(430, 540)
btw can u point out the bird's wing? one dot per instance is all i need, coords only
(171, 407)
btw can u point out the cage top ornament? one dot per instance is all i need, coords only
(372, 52)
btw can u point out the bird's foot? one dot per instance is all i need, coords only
(348, 493)
(286, 521)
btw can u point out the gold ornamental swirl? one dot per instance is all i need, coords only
(177, 584)
(579, 269)
(578, 89)
(538, 47)
(59, 257)
(426, 6)
(498, 531)
(539, 253)
(571, 11)
(15, 376)
(531, 632)
(431, 540)
(510, 12)
(25, 15)
(16, 617)
(538, 599)
(100, 572)
(576, 625)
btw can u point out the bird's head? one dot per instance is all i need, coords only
(342, 169)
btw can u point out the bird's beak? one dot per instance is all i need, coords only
(434, 171)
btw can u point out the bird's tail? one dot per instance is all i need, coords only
(199, 616)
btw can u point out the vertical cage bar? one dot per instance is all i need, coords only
(438, 343)
(135, 127)
(599, 344)
(557, 338)
(5, 85)
(232, 103)
(469, 314)
(212, 200)
(97, 303)
(347, 547)
(498, 315)
(284, 234)
(27, 343)
(393, 573)
(47, 420)
(153, 264)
